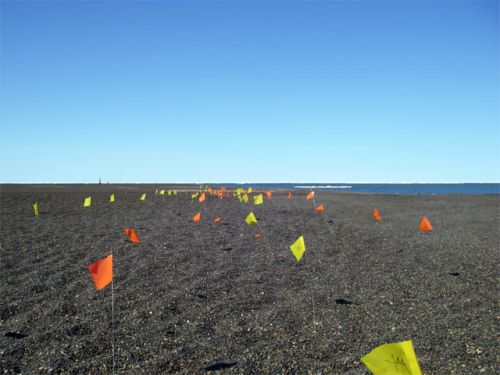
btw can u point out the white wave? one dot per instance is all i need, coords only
(323, 187)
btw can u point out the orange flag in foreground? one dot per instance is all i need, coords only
(310, 195)
(102, 271)
(425, 225)
(377, 215)
(320, 208)
(197, 217)
(269, 194)
(201, 198)
(217, 219)
(132, 235)
(289, 195)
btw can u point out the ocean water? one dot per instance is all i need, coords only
(405, 189)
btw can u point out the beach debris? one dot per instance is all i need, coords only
(298, 248)
(258, 199)
(220, 366)
(102, 271)
(320, 208)
(35, 208)
(15, 335)
(112, 198)
(132, 235)
(251, 219)
(394, 358)
(310, 195)
(376, 215)
(341, 301)
(143, 197)
(454, 273)
(87, 202)
(425, 225)
(197, 217)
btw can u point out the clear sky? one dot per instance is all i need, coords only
(250, 91)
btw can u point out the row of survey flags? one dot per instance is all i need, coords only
(424, 226)
(393, 358)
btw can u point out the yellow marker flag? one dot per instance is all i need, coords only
(245, 198)
(112, 198)
(156, 192)
(175, 192)
(35, 208)
(193, 196)
(87, 202)
(251, 219)
(143, 197)
(298, 248)
(170, 192)
(396, 358)
(249, 190)
(162, 192)
(240, 198)
(258, 199)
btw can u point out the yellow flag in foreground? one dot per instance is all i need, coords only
(35, 208)
(162, 192)
(112, 198)
(143, 197)
(298, 248)
(87, 202)
(251, 219)
(396, 358)
(245, 198)
(258, 199)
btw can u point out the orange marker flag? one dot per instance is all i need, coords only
(377, 215)
(197, 217)
(269, 194)
(310, 195)
(132, 235)
(289, 195)
(257, 235)
(217, 219)
(102, 271)
(425, 225)
(320, 208)
(201, 198)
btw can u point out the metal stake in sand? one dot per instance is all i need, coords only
(315, 322)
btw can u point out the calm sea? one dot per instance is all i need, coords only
(424, 189)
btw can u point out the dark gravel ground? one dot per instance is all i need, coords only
(206, 298)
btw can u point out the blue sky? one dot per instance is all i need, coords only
(250, 91)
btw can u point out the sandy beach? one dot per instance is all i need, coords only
(209, 297)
